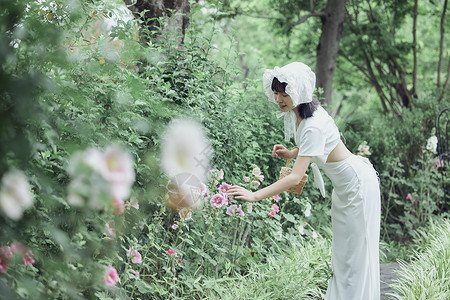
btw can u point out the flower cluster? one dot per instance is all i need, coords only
(363, 149)
(258, 177)
(113, 169)
(8, 252)
(234, 210)
(274, 210)
(15, 194)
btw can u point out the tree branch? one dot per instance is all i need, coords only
(305, 18)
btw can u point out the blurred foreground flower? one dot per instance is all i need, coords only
(185, 155)
(110, 276)
(101, 178)
(15, 194)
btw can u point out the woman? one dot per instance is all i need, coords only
(355, 210)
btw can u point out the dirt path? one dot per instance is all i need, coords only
(387, 276)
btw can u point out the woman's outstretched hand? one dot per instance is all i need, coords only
(281, 151)
(242, 193)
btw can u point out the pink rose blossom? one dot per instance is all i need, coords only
(256, 183)
(261, 178)
(256, 171)
(136, 257)
(110, 229)
(179, 260)
(276, 198)
(171, 252)
(231, 210)
(272, 213)
(408, 197)
(415, 201)
(234, 210)
(174, 226)
(246, 179)
(217, 201)
(111, 276)
(275, 208)
(135, 273)
(223, 188)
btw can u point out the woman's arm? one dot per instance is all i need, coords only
(299, 169)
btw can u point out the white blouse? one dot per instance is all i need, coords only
(317, 136)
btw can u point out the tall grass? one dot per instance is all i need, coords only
(300, 271)
(427, 276)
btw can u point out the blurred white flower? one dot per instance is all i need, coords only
(15, 194)
(100, 176)
(314, 235)
(117, 169)
(432, 144)
(185, 155)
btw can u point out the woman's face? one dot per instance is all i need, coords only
(284, 101)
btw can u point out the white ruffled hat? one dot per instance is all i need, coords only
(301, 82)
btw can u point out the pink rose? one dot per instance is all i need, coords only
(275, 208)
(246, 179)
(136, 257)
(174, 226)
(256, 183)
(276, 198)
(272, 213)
(217, 201)
(111, 276)
(408, 197)
(256, 171)
(223, 188)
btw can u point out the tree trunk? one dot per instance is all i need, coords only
(175, 15)
(332, 26)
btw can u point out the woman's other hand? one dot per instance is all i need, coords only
(242, 193)
(281, 151)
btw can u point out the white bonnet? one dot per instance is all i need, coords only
(300, 80)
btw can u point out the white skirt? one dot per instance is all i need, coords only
(355, 216)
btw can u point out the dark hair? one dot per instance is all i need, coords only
(305, 110)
